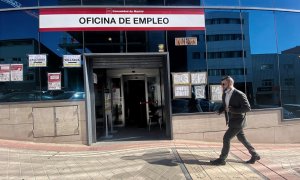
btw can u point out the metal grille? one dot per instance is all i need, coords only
(127, 61)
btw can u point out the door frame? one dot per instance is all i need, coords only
(146, 73)
(135, 60)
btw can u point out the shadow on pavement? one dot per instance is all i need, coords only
(160, 158)
(166, 158)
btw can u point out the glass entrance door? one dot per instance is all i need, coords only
(135, 101)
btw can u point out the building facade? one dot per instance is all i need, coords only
(90, 82)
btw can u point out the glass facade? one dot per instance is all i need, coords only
(259, 47)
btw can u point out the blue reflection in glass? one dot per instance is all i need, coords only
(59, 2)
(221, 3)
(287, 4)
(287, 30)
(257, 3)
(262, 32)
(17, 3)
(18, 25)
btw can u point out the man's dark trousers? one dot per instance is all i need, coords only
(239, 133)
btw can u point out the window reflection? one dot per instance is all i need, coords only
(59, 2)
(265, 91)
(221, 3)
(287, 4)
(257, 3)
(14, 48)
(136, 41)
(102, 2)
(144, 2)
(18, 3)
(188, 57)
(182, 2)
(228, 52)
(154, 39)
(55, 45)
(104, 41)
(288, 53)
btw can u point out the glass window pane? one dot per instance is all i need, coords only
(288, 52)
(182, 2)
(265, 79)
(154, 40)
(145, 41)
(103, 2)
(228, 48)
(144, 2)
(185, 57)
(15, 45)
(55, 45)
(221, 3)
(104, 41)
(257, 3)
(18, 4)
(136, 41)
(287, 4)
(59, 2)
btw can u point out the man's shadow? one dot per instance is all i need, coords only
(161, 158)
(204, 160)
(166, 158)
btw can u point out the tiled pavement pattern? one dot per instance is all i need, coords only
(144, 160)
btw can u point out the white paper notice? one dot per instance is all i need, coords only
(216, 92)
(16, 72)
(95, 79)
(54, 81)
(181, 78)
(198, 78)
(4, 72)
(199, 91)
(72, 60)
(182, 91)
(37, 60)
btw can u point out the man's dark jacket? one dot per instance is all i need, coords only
(239, 105)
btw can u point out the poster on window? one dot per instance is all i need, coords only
(107, 102)
(95, 78)
(181, 78)
(54, 81)
(16, 72)
(37, 60)
(4, 72)
(216, 92)
(199, 91)
(72, 60)
(185, 41)
(182, 91)
(198, 78)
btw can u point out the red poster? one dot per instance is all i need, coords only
(54, 81)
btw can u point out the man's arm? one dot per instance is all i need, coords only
(243, 102)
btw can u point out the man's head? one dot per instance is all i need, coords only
(227, 83)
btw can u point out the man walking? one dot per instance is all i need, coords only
(235, 105)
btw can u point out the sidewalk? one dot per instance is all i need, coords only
(177, 159)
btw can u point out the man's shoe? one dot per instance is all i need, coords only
(253, 159)
(218, 162)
